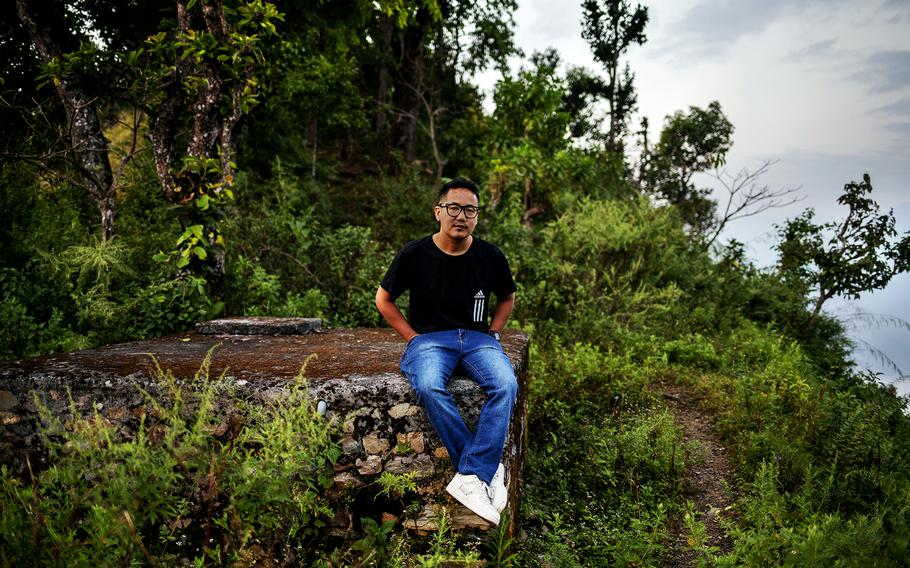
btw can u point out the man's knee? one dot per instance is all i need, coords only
(508, 386)
(428, 386)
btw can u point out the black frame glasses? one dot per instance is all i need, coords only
(469, 210)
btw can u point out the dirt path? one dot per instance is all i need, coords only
(708, 477)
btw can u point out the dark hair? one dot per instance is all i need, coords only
(458, 183)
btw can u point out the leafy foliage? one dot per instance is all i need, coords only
(243, 480)
(689, 143)
(846, 258)
(611, 27)
(359, 109)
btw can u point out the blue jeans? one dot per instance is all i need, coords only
(429, 362)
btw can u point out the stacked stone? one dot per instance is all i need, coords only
(352, 373)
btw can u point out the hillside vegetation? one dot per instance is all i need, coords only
(168, 163)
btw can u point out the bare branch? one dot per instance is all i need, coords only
(746, 197)
(430, 127)
(134, 127)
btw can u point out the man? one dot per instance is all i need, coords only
(451, 275)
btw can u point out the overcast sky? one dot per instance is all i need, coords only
(823, 87)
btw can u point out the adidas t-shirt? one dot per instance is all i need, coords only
(449, 292)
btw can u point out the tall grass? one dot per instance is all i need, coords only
(206, 477)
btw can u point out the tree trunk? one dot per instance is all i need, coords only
(314, 137)
(414, 50)
(86, 139)
(382, 94)
(530, 210)
(211, 126)
(817, 309)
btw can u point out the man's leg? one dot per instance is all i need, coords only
(484, 361)
(428, 363)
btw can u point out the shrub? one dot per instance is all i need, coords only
(211, 479)
(603, 465)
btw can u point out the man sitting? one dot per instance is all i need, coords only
(451, 276)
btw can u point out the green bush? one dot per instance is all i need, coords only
(604, 269)
(693, 351)
(604, 464)
(210, 479)
(824, 462)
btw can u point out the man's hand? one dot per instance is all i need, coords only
(393, 315)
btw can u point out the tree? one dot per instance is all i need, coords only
(444, 42)
(529, 128)
(192, 81)
(689, 144)
(583, 90)
(84, 147)
(610, 28)
(857, 254)
(202, 83)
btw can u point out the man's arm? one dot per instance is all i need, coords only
(501, 312)
(393, 315)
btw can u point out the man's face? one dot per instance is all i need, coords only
(460, 227)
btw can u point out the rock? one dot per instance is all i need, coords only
(403, 409)
(347, 479)
(350, 445)
(354, 371)
(421, 465)
(372, 465)
(456, 513)
(259, 326)
(273, 394)
(8, 418)
(8, 400)
(399, 465)
(409, 442)
(117, 413)
(375, 445)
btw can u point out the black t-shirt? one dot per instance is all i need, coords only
(449, 292)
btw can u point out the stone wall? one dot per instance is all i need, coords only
(353, 373)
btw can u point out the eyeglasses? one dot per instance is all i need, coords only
(454, 210)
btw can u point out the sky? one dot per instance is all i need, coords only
(819, 87)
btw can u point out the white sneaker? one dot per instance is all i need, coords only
(474, 494)
(500, 495)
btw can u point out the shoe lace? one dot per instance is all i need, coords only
(478, 487)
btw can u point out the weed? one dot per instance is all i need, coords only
(499, 545)
(396, 485)
(174, 491)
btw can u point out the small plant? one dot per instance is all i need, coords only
(396, 485)
(499, 545)
(441, 544)
(698, 537)
(374, 545)
(210, 479)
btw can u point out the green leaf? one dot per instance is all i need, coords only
(200, 252)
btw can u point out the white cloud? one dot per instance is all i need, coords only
(885, 71)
